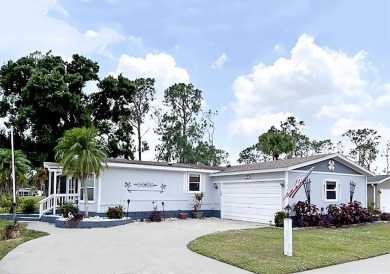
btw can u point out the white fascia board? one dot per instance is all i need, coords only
(327, 173)
(51, 166)
(340, 158)
(165, 168)
(379, 182)
(243, 172)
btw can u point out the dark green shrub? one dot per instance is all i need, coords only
(29, 206)
(115, 212)
(68, 207)
(279, 218)
(6, 202)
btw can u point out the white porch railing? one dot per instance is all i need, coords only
(51, 202)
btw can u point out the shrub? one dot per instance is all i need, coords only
(345, 214)
(115, 212)
(307, 214)
(279, 218)
(155, 216)
(384, 216)
(6, 202)
(75, 219)
(68, 207)
(29, 206)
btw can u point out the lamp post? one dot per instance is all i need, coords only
(163, 210)
(287, 210)
(127, 209)
(13, 175)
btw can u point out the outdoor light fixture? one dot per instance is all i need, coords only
(287, 210)
(215, 186)
(352, 186)
(162, 203)
(127, 209)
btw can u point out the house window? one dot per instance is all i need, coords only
(194, 182)
(90, 184)
(331, 190)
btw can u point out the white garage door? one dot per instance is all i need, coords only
(251, 201)
(385, 200)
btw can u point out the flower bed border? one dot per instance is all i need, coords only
(92, 224)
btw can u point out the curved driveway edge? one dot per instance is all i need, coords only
(132, 248)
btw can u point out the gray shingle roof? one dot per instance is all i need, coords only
(272, 164)
(164, 164)
(377, 178)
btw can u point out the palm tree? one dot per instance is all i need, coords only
(81, 155)
(40, 177)
(275, 142)
(22, 167)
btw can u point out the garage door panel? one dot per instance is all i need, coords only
(254, 201)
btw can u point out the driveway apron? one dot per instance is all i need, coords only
(133, 248)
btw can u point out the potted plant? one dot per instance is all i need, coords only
(197, 205)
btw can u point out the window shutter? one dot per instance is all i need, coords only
(323, 190)
(339, 190)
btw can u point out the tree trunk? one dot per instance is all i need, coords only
(85, 196)
(139, 142)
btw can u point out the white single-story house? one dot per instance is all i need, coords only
(252, 192)
(378, 191)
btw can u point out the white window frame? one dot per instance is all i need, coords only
(325, 190)
(94, 188)
(188, 182)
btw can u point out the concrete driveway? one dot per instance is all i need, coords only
(132, 248)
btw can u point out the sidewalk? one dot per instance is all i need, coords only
(375, 265)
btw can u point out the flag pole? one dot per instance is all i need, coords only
(13, 175)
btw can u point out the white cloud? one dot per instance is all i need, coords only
(253, 126)
(315, 82)
(162, 67)
(219, 62)
(33, 28)
(384, 99)
(278, 48)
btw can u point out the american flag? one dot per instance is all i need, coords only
(298, 183)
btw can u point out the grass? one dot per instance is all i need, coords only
(260, 250)
(26, 235)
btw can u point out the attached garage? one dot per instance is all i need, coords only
(385, 200)
(251, 201)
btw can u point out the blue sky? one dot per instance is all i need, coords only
(257, 62)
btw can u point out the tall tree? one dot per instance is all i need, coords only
(42, 96)
(292, 127)
(275, 142)
(140, 107)
(82, 155)
(322, 146)
(110, 108)
(365, 140)
(386, 154)
(253, 154)
(184, 127)
(22, 167)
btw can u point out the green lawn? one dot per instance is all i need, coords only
(260, 250)
(27, 234)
